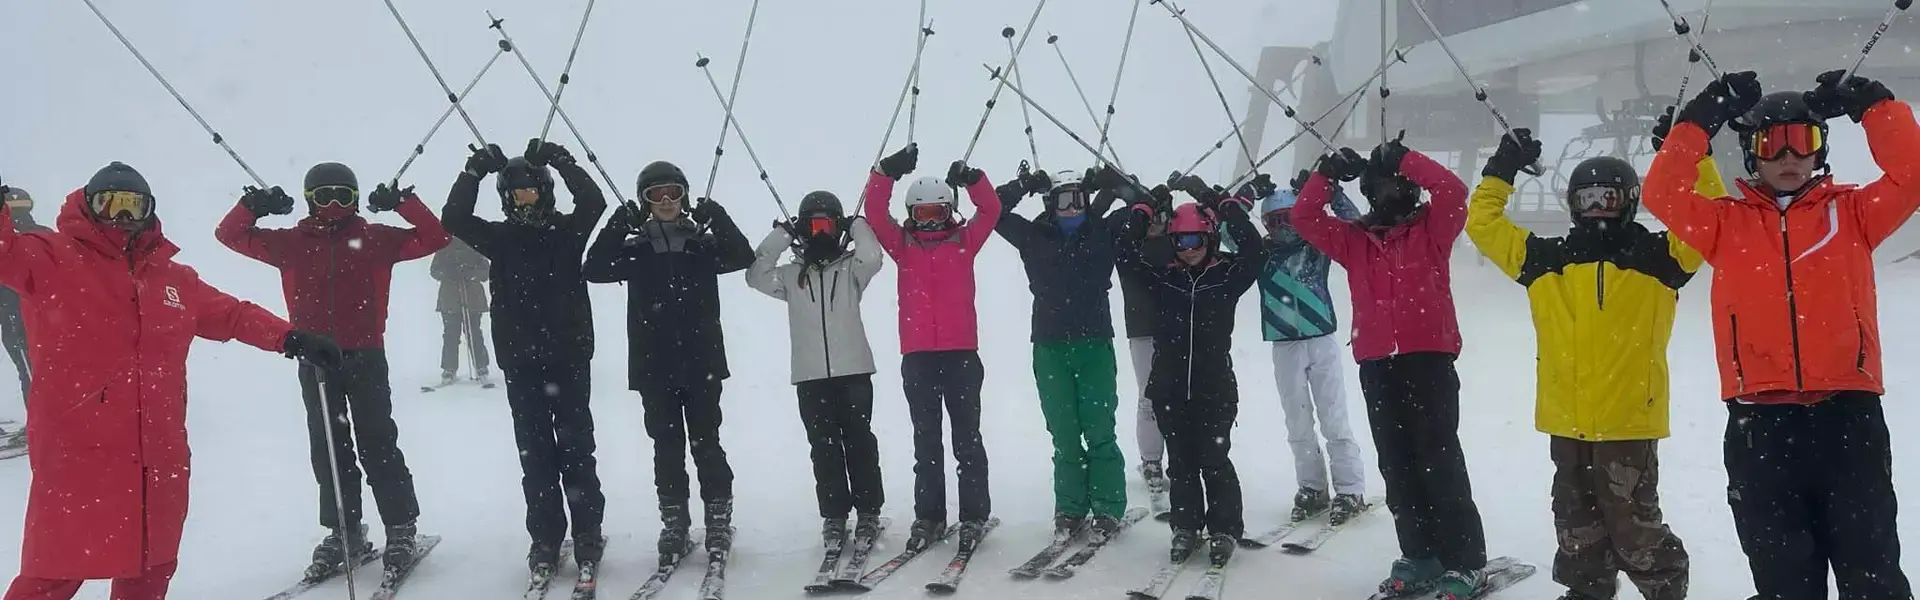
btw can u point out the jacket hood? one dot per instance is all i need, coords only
(75, 222)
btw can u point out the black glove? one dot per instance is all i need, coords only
(317, 349)
(1108, 177)
(1852, 97)
(1345, 165)
(270, 201)
(1261, 187)
(1661, 128)
(386, 198)
(1299, 181)
(1513, 155)
(485, 161)
(1162, 199)
(1388, 155)
(961, 176)
(621, 224)
(1034, 182)
(1197, 188)
(899, 164)
(543, 152)
(705, 210)
(1723, 100)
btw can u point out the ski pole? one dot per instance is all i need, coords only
(333, 464)
(1885, 22)
(1243, 71)
(742, 134)
(913, 84)
(1480, 93)
(217, 138)
(470, 323)
(999, 75)
(1399, 55)
(566, 72)
(1011, 65)
(1693, 58)
(1054, 40)
(1126, 44)
(913, 105)
(1206, 66)
(507, 42)
(726, 103)
(1680, 27)
(421, 148)
(451, 97)
(1254, 169)
(1033, 149)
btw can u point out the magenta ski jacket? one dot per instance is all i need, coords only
(936, 270)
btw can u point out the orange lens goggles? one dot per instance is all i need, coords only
(822, 226)
(931, 213)
(1775, 141)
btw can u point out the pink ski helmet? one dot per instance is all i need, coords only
(1190, 218)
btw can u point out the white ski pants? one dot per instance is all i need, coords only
(1146, 430)
(1312, 384)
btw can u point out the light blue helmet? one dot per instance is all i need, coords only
(1279, 200)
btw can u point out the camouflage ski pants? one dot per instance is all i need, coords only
(1606, 512)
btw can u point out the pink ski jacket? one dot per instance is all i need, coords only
(936, 270)
(1401, 280)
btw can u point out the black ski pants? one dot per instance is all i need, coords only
(1413, 407)
(360, 399)
(1812, 486)
(13, 333)
(1203, 486)
(838, 415)
(452, 324)
(946, 380)
(679, 419)
(553, 426)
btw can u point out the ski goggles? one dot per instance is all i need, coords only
(1278, 219)
(1189, 241)
(115, 205)
(1775, 141)
(1069, 199)
(524, 196)
(664, 193)
(333, 195)
(1602, 198)
(821, 225)
(928, 214)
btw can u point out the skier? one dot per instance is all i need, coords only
(543, 328)
(939, 332)
(1070, 251)
(832, 364)
(1603, 301)
(1136, 296)
(677, 355)
(1406, 337)
(462, 273)
(1297, 318)
(335, 269)
(1795, 321)
(1194, 391)
(13, 325)
(114, 316)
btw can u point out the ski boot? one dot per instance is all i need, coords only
(924, 533)
(403, 541)
(480, 375)
(1220, 547)
(1460, 585)
(1412, 576)
(1308, 502)
(1573, 595)
(1185, 541)
(330, 558)
(720, 524)
(971, 532)
(1066, 526)
(1104, 528)
(833, 532)
(675, 541)
(866, 526)
(1345, 508)
(449, 377)
(588, 547)
(1156, 476)
(543, 559)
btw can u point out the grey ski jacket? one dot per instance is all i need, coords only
(823, 302)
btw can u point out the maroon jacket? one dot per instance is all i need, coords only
(336, 275)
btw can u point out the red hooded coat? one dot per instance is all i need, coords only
(107, 419)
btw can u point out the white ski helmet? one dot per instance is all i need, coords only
(1068, 182)
(930, 205)
(928, 190)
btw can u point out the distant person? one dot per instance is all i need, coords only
(462, 273)
(13, 326)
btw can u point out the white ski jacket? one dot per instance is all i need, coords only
(823, 304)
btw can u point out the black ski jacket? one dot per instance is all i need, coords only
(673, 274)
(540, 309)
(1070, 275)
(1193, 337)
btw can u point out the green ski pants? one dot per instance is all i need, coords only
(1078, 398)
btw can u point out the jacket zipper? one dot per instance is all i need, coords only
(1860, 342)
(1193, 313)
(1600, 283)
(826, 348)
(1793, 307)
(139, 417)
(1733, 343)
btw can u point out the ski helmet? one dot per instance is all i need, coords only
(331, 173)
(1193, 227)
(821, 203)
(662, 173)
(1280, 200)
(1068, 192)
(1605, 172)
(118, 177)
(521, 174)
(1377, 173)
(1779, 108)
(937, 198)
(18, 198)
(822, 222)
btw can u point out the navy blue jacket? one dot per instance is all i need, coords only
(1070, 275)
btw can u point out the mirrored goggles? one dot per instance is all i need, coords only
(113, 205)
(1070, 199)
(664, 193)
(1601, 198)
(1278, 219)
(821, 225)
(1189, 241)
(333, 195)
(1775, 141)
(524, 196)
(930, 213)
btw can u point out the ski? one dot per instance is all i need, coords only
(484, 384)
(949, 580)
(886, 569)
(308, 583)
(1052, 552)
(1502, 573)
(1085, 555)
(713, 586)
(668, 564)
(1215, 577)
(1320, 536)
(540, 581)
(393, 578)
(1162, 581)
(857, 561)
(1273, 536)
(829, 565)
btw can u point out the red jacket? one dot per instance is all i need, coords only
(336, 276)
(107, 418)
(1402, 280)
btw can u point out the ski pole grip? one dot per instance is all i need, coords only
(1902, 4)
(702, 63)
(1007, 33)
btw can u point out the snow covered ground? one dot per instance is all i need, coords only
(254, 507)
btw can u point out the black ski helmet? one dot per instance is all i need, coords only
(19, 196)
(821, 203)
(522, 174)
(331, 173)
(1775, 109)
(118, 177)
(1606, 171)
(660, 172)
